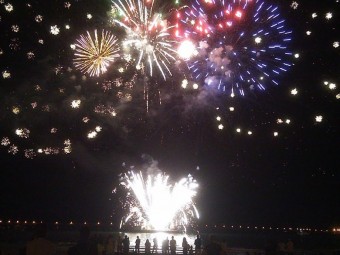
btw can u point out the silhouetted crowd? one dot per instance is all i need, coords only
(88, 244)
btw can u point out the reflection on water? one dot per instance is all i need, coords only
(160, 236)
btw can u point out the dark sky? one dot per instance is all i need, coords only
(289, 180)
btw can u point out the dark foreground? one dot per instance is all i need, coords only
(12, 241)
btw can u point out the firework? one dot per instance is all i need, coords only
(157, 204)
(94, 54)
(241, 44)
(147, 35)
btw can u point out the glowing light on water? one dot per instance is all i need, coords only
(157, 204)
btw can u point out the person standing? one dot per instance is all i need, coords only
(137, 246)
(110, 245)
(40, 245)
(147, 247)
(126, 245)
(155, 246)
(172, 246)
(85, 245)
(165, 246)
(213, 247)
(198, 244)
(185, 246)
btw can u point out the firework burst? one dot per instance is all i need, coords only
(240, 44)
(93, 55)
(148, 35)
(156, 204)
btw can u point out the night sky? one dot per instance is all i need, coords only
(256, 178)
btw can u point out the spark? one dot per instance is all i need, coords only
(13, 149)
(258, 40)
(238, 130)
(30, 55)
(92, 134)
(336, 44)
(5, 141)
(54, 30)
(39, 18)
(89, 16)
(67, 5)
(29, 153)
(186, 50)
(6, 74)
(220, 126)
(185, 83)
(94, 55)
(309, 32)
(314, 15)
(15, 28)
(329, 15)
(86, 119)
(68, 146)
(16, 110)
(75, 104)
(318, 118)
(22, 132)
(332, 86)
(276, 133)
(294, 92)
(294, 5)
(9, 7)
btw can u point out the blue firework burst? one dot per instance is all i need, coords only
(241, 44)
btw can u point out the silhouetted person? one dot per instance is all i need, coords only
(185, 246)
(137, 246)
(270, 248)
(173, 246)
(119, 245)
(100, 244)
(85, 246)
(147, 247)
(40, 245)
(165, 246)
(126, 245)
(191, 252)
(281, 248)
(198, 244)
(290, 247)
(155, 245)
(110, 245)
(213, 248)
